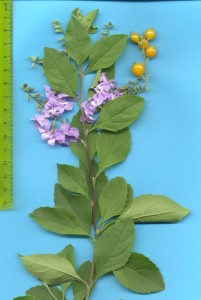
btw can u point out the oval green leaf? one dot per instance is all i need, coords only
(112, 148)
(72, 179)
(154, 209)
(51, 269)
(120, 113)
(114, 247)
(59, 220)
(89, 19)
(140, 275)
(78, 42)
(77, 204)
(113, 198)
(60, 73)
(106, 51)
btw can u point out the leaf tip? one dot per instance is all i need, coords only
(186, 212)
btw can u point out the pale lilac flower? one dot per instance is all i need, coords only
(54, 107)
(41, 123)
(48, 92)
(56, 104)
(62, 135)
(66, 105)
(72, 133)
(105, 91)
(49, 137)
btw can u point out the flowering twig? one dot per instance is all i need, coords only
(84, 198)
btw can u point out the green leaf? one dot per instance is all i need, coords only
(78, 205)
(154, 209)
(129, 193)
(59, 220)
(96, 79)
(67, 252)
(106, 51)
(110, 72)
(40, 292)
(78, 42)
(72, 179)
(114, 247)
(107, 225)
(112, 148)
(120, 113)
(60, 73)
(113, 198)
(140, 275)
(51, 269)
(79, 288)
(89, 19)
(65, 285)
(77, 13)
(129, 198)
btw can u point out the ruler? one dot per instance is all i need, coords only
(6, 106)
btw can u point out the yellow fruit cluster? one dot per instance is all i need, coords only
(138, 68)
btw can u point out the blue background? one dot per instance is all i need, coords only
(166, 144)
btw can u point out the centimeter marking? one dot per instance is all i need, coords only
(6, 105)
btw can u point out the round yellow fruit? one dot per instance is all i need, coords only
(138, 69)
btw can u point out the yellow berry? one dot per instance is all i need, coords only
(151, 52)
(138, 69)
(134, 37)
(150, 34)
(143, 44)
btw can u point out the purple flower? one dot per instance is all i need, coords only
(105, 91)
(49, 136)
(66, 134)
(72, 133)
(62, 135)
(54, 107)
(41, 123)
(48, 92)
(56, 104)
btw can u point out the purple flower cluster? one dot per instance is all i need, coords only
(54, 107)
(104, 91)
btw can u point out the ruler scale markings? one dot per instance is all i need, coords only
(6, 106)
